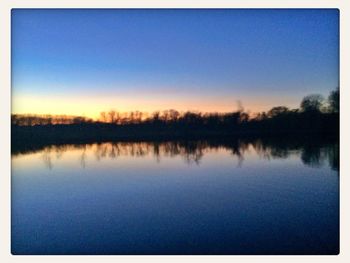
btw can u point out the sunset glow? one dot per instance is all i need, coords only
(79, 62)
(92, 106)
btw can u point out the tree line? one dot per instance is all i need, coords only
(314, 113)
(47, 119)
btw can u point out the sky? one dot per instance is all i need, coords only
(84, 61)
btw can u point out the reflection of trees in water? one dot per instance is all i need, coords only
(267, 151)
(192, 152)
(317, 156)
(114, 150)
(59, 152)
(49, 153)
(237, 149)
(313, 156)
(46, 156)
(83, 157)
(333, 156)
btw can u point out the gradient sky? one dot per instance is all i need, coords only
(81, 62)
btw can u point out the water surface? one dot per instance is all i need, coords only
(194, 197)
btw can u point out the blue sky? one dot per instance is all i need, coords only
(85, 61)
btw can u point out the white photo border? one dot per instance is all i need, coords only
(5, 113)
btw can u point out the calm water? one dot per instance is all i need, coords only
(176, 198)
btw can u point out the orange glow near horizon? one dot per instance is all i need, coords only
(91, 107)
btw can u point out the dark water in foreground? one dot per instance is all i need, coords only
(176, 198)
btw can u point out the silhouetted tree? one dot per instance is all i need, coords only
(312, 103)
(156, 116)
(112, 115)
(333, 100)
(277, 111)
(78, 120)
(103, 116)
(138, 117)
(173, 115)
(261, 116)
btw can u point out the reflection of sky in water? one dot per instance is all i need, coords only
(192, 199)
(165, 154)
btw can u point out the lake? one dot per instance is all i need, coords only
(176, 197)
